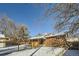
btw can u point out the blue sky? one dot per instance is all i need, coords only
(30, 15)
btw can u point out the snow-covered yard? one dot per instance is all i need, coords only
(49, 51)
(43, 51)
(26, 52)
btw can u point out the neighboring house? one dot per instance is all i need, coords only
(3, 40)
(2, 44)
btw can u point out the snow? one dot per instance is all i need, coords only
(38, 37)
(72, 39)
(26, 52)
(2, 36)
(49, 51)
(61, 33)
(43, 51)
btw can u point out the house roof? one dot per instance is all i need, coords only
(58, 34)
(44, 36)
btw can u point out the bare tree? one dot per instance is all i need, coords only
(7, 26)
(22, 31)
(11, 30)
(67, 16)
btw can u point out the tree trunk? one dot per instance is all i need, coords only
(18, 47)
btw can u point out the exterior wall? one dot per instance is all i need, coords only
(36, 42)
(54, 41)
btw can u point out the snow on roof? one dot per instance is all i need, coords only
(2, 36)
(37, 37)
(50, 35)
(58, 34)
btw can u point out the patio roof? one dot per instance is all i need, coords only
(37, 37)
